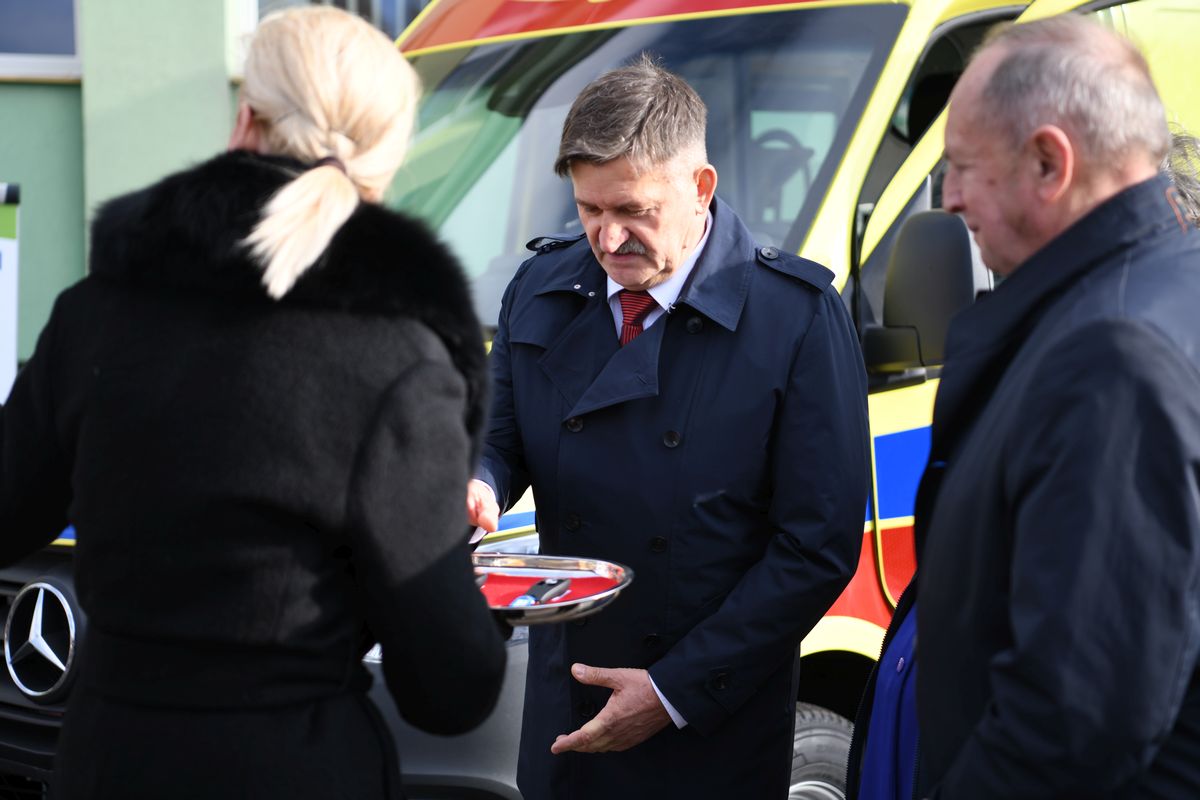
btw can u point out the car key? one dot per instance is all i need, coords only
(541, 592)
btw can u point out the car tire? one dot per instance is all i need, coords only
(820, 748)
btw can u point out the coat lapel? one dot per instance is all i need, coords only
(583, 357)
(585, 362)
(580, 353)
(630, 373)
(570, 319)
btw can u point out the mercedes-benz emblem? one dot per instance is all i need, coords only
(39, 640)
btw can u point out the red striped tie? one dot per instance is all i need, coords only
(634, 308)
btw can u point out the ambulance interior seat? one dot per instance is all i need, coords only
(776, 157)
(933, 272)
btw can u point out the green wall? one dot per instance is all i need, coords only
(41, 149)
(155, 90)
(154, 97)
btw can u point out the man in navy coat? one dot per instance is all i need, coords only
(691, 405)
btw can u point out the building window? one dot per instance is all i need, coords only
(39, 40)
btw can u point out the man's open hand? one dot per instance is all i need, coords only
(632, 714)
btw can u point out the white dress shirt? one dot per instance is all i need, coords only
(666, 293)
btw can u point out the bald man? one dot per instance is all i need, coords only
(1057, 605)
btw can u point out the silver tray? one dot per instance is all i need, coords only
(540, 566)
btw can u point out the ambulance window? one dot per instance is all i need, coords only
(873, 272)
(924, 98)
(496, 181)
(785, 148)
(784, 91)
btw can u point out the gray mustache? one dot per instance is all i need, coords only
(630, 246)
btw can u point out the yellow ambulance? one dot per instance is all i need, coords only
(825, 125)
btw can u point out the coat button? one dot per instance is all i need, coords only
(658, 544)
(695, 325)
(587, 709)
(651, 639)
(672, 438)
(579, 623)
(720, 681)
(572, 522)
(769, 253)
(574, 424)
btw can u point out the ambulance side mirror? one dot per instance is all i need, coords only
(933, 273)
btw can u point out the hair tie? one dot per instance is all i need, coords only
(330, 161)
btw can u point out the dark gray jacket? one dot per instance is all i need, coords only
(1058, 523)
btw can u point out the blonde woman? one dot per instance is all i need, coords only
(260, 411)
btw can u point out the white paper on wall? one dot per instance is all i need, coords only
(8, 315)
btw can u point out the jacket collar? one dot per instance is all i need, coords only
(584, 360)
(984, 338)
(721, 280)
(717, 287)
(185, 234)
(1131, 215)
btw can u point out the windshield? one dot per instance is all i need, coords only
(784, 91)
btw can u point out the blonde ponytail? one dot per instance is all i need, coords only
(324, 87)
(298, 224)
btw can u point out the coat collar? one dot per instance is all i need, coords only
(185, 234)
(717, 288)
(721, 280)
(984, 338)
(1130, 216)
(582, 356)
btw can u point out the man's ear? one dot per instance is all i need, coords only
(1053, 157)
(706, 186)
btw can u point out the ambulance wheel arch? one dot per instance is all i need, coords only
(835, 660)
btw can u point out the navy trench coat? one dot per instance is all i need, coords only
(722, 455)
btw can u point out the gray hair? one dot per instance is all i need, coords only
(1072, 71)
(641, 112)
(1182, 166)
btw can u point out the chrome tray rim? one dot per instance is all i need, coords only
(565, 610)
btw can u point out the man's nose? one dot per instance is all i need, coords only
(612, 236)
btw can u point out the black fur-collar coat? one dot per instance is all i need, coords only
(255, 484)
(380, 262)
